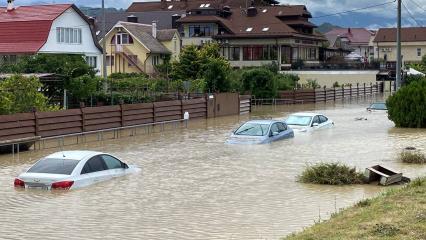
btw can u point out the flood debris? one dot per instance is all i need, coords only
(361, 119)
(384, 176)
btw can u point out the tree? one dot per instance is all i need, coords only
(216, 75)
(82, 87)
(188, 66)
(407, 108)
(20, 94)
(260, 82)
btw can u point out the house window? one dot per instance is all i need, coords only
(133, 60)
(68, 35)
(259, 52)
(234, 54)
(419, 52)
(155, 60)
(122, 38)
(200, 31)
(109, 60)
(92, 61)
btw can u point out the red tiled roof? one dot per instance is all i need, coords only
(26, 29)
(354, 35)
(411, 34)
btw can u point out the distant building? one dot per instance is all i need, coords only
(413, 44)
(251, 33)
(56, 28)
(135, 47)
(355, 39)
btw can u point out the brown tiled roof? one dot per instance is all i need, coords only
(187, 5)
(265, 24)
(354, 35)
(144, 34)
(411, 34)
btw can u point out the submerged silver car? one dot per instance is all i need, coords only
(260, 132)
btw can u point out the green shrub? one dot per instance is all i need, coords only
(414, 157)
(407, 107)
(331, 174)
(260, 82)
(216, 75)
(336, 84)
(21, 94)
(81, 88)
(286, 81)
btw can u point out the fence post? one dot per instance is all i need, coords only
(153, 113)
(357, 89)
(343, 92)
(364, 90)
(181, 109)
(36, 129)
(83, 117)
(334, 90)
(122, 112)
(325, 93)
(371, 88)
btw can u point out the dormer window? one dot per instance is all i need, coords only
(264, 10)
(249, 29)
(202, 5)
(170, 7)
(207, 5)
(265, 29)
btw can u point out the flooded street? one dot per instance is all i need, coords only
(193, 186)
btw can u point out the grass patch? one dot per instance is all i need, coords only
(398, 213)
(331, 174)
(413, 157)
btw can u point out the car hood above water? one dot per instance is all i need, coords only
(239, 139)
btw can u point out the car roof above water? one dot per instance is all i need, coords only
(263, 121)
(73, 155)
(306, 114)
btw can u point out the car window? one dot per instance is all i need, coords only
(54, 166)
(274, 128)
(316, 120)
(253, 129)
(298, 120)
(95, 164)
(281, 127)
(323, 119)
(112, 162)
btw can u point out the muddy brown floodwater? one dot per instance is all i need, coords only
(193, 186)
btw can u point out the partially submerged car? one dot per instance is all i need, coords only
(378, 106)
(260, 132)
(72, 169)
(306, 122)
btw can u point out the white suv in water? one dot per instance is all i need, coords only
(72, 169)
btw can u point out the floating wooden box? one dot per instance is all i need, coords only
(384, 176)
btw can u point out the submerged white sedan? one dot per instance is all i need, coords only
(72, 169)
(306, 122)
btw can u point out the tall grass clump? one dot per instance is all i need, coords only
(331, 174)
(413, 157)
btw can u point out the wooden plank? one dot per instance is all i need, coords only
(103, 121)
(140, 116)
(168, 118)
(169, 108)
(16, 136)
(103, 126)
(138, 122)
(58, 132)
(63, 113)
(137, 106)
(17, 124)
(200, 105)
(102, 115)
(15, 131)
(194, 101)
(103, 109)
(138, 111)
(16, 117)
(47, 127)
(167, 104)
(169, 113)
(59, 119)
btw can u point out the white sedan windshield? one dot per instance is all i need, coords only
(298, 120)
(253, 129)
(54, 166)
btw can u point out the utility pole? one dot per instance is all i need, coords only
(398, 48)
(104, 68)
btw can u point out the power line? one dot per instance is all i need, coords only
(418, 5)
(357, 9)
(411, 15)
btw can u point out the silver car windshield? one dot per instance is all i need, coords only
(378, 106)
(54, 166)
(253, 129)
(298, 120)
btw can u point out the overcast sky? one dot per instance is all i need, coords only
(375, 17)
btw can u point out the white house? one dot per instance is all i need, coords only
(55, 28)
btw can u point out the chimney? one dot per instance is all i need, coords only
(349, 30)
(175, 17)
(154, 29)
(10, 6)
(132, 19)
(91, 21)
